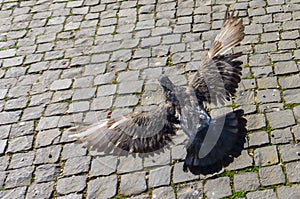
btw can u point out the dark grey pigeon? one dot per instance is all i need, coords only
(213, 143)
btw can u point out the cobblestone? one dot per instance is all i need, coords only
(268, 194)
(71, 61)
(266, 156)
(133, 183)
(218, 188)
(71, 184)
(105, 187)
(246, 181)
(267, 178)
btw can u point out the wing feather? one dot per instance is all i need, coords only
(218, 75)
(138, 132)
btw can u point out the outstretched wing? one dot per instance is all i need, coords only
(216, 145)
(138, 132)
(218, 74)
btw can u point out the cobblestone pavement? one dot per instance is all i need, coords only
(64, 61)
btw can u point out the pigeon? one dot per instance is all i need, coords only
(212, 142)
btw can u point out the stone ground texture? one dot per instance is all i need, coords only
(64, 61)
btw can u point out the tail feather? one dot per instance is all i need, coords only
(229, 145)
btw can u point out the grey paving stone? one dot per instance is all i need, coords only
(267, 82)
(258, 138)
(3, 92)
(275, 119)
(287, 44)
(268, 95)
(71, 184)
(40, 99)
(191, 190)
(133, 183)
(138, 64)
(72, 150)
(180, 176)
(130, 87)
(46, 172)
(246, 181)
(289, 152)
(160, 176)
(151, 41)
(41, 190)
(268, 178)
(270, 37)
(246, 97)
(9, 117)
(281, 56)
(161, 159)
(268, 194)
(291, 96)
(47, 155)
(271, 107)
(104, 187)
(178, 152)
(71, 196)
(56, 109)
(2, 179)
(104, 79)
(83, 82)
(4, 160)
(48, 137)
(101, 103)
(80, 106)
(282, 136)
(121, 55)
(32, 113)
(3, 144)
(254, 29)
(19, 160)
(14, 71)
(288, 191)
(59, 96)
(103, 165)
(94, 116)
(61, 84)
(129, 164)
(7, 53)
(292, 171)
(265, 156)
(84, 93)
(129, 100)
(17, 193)
(20, 144)
(290, 81)
(77, 165)
(296, 111)
(19, 177)
(163, 192)
(4, 131)
(255, 121)
(241, 162)
(218, 188)
(48, 122)
(296, 131)
(264, 71)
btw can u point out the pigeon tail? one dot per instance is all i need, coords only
(228, 145)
